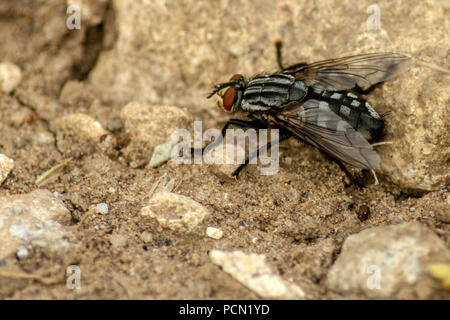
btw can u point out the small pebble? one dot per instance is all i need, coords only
(10, 76)
(114, 125)
(412, 209)
(214, 233)
(102, 208)
(117, 240)
(17, 210)
(363, 213)
(6, 165)
(147, 237)
(22, 252)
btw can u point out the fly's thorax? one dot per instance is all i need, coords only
(267, 92)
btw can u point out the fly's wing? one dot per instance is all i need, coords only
(363, 70)
(314, 122)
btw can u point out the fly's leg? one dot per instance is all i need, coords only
(283, 136)
(360, 90)
(278, 46)
(347, 173)
(237, 122)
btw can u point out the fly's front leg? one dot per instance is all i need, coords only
(283, 136)
(237, 122)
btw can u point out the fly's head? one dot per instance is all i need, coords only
(230, 93)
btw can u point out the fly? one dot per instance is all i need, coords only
(319, 103)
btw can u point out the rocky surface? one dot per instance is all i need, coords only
(177, 63)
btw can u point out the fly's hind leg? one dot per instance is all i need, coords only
(347, 173)
(278, 47)
(368, 90)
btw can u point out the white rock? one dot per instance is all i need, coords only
(387, 262)
(214, 233)
(253, 272)
(117, 240)
(6, 165)
(10, 76)
(161, 153)
(34, 219)
(102, 208)
(22, 252)
(175, 211)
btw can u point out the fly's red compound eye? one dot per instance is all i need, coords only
(237, 77)
(228, 98)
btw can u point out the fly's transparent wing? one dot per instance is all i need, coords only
(362, 70)
(314, 122)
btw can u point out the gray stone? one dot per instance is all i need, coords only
(174, 211)
(34, 219)
(388, 262)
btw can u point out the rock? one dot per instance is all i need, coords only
(147, 237)
(10, 76)
(79, 134)
(388, 262)
(76, 94)
(22, 252)
(149, 126)
(174, 211)
(214, 233)
(162, 153)
(252, 271)
(33, 219)
(208, 50)
(101, 208)
(6, 165)
(114, 125)
(118, 240)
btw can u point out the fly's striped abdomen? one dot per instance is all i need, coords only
(353, 109)
(274, 91)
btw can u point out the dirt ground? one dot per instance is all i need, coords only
(298, 218)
